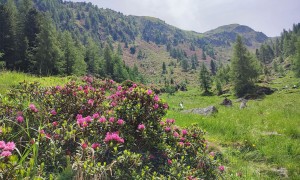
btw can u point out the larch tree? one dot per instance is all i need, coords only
(244, 69)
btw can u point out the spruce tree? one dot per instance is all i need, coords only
(8, 33)
(243, 69)
(73, 60)
(164, 68)
(184, 65)
(92, 57)
(213, 67)
(205, 79)
(47, 58)
(80, 66)
(203, 55)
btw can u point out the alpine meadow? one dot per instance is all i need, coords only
(87, 92)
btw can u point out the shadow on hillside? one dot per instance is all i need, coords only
(259, 92)
(207, 93)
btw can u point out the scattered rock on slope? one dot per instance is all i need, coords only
(203, 111)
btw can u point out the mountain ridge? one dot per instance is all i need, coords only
(147, 41)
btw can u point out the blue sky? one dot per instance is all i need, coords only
(267, 16)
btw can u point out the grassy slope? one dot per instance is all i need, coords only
(245, 136)
(10, 79)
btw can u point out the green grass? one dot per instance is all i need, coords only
(256, 140)
(9, 80)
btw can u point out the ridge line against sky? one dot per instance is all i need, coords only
(267, 16)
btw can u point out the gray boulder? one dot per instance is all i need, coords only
(203, 111)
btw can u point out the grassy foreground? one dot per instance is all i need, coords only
(261, 141)
(9, 80)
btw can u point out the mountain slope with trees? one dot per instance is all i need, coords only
(135, 43)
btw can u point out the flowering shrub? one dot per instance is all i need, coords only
(98, 129)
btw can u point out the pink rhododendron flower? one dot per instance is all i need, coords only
(113, 104)
(165, 106)
(2, 144)
(10, 146)
(181, 143)
(169, 161)
(91, 102)
(88, 119)
(84, 145)
(156, 98)
(212, 154)
(54, 123)
(119, 88)
(175, 134)
(149, 92)
(170, 121)
(120, 121)
(79, 116)
(167, 129)
(95, 116)
(221, 168)
(58, 88)
(33, 108)
(188, 144)
(80, 88)
(114, 136)
(155, 106)
(111, 119)
(84, 124)
(162, 123)
(95, 145)
(20, 119)
(80, 121)
(53, 112)
(184, 132)
(42, 131)
(141, 127)
(182, 139)
(102, 120)
(5, 153)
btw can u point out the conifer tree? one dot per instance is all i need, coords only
(8, 15)
(73, 59)
(184, 64)
(108, 61)
(80, 66)
(296, 61)
(213, 67)
(243, 69)
(164, 68)
(92, 57)
(205, 79)
(47, 58)
(203, 55)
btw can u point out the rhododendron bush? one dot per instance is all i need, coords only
(96, 129)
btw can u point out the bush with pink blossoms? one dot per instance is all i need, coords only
(97, 129)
